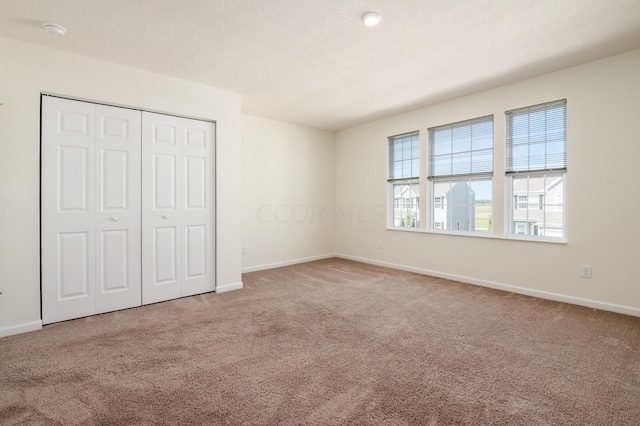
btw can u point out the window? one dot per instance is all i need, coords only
(520, 201)
(461, 175)
(536, 169)
(437, 203)
(404, 175)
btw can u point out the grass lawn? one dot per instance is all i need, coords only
(483, 214)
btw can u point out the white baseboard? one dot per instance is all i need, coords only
(621, 309)
(286, 263)
(22, 328)
(228, 287)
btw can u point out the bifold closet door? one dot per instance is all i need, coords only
(177, 207)
(90, 209)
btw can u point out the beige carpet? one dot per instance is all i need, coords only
(331, 342)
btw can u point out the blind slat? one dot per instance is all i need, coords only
(404, 156)
(461, 149)
(537, 138)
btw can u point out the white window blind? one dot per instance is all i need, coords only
(461, 149)
(404, 157)
(537, 138)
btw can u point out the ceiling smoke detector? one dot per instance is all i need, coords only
(55, 29)
(371, 19)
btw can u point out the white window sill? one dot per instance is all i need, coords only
(535, 239)
(482, 235)
(404, 229)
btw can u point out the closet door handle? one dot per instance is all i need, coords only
(114, 218)
(165, 216)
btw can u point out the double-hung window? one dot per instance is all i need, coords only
(461, 175)
(536, 170)
(404, 180)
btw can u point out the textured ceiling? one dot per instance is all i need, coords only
(312, 62)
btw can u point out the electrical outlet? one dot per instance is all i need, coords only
(244, 249)
(380, 244)
(585, 271)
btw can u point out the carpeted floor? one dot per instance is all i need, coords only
(331, 342)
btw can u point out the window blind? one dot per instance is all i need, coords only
(537, 138)
(404, 156)
(461, 149)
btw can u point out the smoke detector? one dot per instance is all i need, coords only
(55, 29)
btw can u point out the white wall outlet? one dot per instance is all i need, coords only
(244, 249)
(585, 271)
(380, 244)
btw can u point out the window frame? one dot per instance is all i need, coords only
(469, 176)
(441, 214)
(513, 171)
(412, 181)
(512, 221)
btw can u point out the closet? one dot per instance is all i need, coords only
(127, 208)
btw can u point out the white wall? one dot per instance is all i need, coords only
(26, 71)
(603, 202)
(288, 193)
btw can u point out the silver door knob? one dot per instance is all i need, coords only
(115, 218)
(165, 216)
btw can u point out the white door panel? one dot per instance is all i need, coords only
(196, 248)
(127, 208)
(74, 267)
(68, 209)
(164, 180)
(90, 209)
(73, 179)
(177, 207)
(115, 260)
(196, 184)
(115, 180)
(162, 187)
(118, 268)
(198, 207)
(166, 257)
